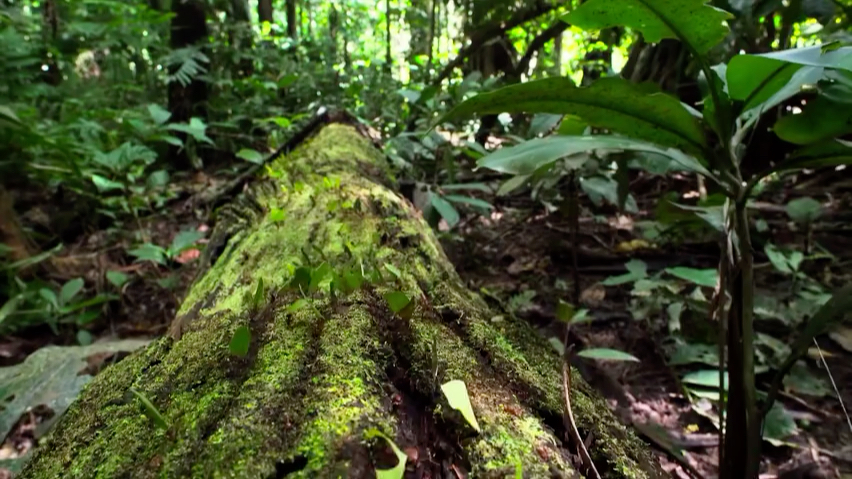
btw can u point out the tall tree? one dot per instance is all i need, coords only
(292, 20)
(264, 10)
(187, 98)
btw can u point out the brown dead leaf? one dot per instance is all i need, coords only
(593, 296)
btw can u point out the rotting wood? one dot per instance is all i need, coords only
(317, 378)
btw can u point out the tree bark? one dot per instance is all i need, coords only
(321, 370)
(292, 22)
(264, 11)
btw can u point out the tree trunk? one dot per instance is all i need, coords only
(264, 11)
(292, 23)
(188, 28)
(322, 370)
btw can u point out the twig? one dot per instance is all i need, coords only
(833, 385)
(570, 424)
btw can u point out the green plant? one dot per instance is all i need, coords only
(712, 143)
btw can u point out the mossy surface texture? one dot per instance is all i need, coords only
(323, 369)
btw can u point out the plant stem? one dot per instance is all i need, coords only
(746, 266)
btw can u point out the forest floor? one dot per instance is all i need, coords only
(522, 263)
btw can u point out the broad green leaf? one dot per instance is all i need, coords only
(446, 210)
(759, 103)
(301, 279)
(754, 79)
(468, 200)
(117, 278)
(277, 215)
(70, 289)
(196, 129)
(467, 187)
(778, 425)
(158, 179)
(529, 156)
(8, 114)
(9, 307)
(398, 301)
(819, 120)
(149, 252)
(542, 123)
(564, 311)
(708, 378)
(701, 277)
(318, 275)
(239, 345)
(259, 294)
(105, 184)
(394, 270)
(184, 240)
(252, 156)
(638, 111)
(607, 354)
(777, 258)
(159, 114)
(693, 22)
(456, 393)
(636, 269)
(297, 305)
(833, 152)
(52, 377)
(398, 471)
(804, 210)
(512, 184)
(150, 410)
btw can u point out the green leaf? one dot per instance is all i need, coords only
(252, 156)
(828, 153)
(701, 277)
(183, 240)
(51, 376)
(157, 179)
(9, 115)
(542, 123)
(259, 294)
(398, 471)
(636, 269)
(196, 129)
(639, 111)
(778, 425)
(820, 120)
(767, 79)
(708, 378)
(527, 157)
(9, 307)
(240, 341)
(84, 338)
(565, 311)
(319, 275)
(159, 114)
(150, 410)
(445, 209)
(456, 393)
(512, 184)
(691, 21)
(301, 279)
(69, 290)
(607, 354)
(400, 303)
(276, 215)
(468, 200)
(149, 252)
(117, 278)
(297, 305)
(804, 210)
(467, 187)
(105, 184)
(394, 270)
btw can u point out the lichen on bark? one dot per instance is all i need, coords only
(317, 376)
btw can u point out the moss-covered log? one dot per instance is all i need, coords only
(323, 369)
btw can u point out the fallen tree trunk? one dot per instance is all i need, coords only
(327, 364)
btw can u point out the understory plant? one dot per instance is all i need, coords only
(797, 100)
